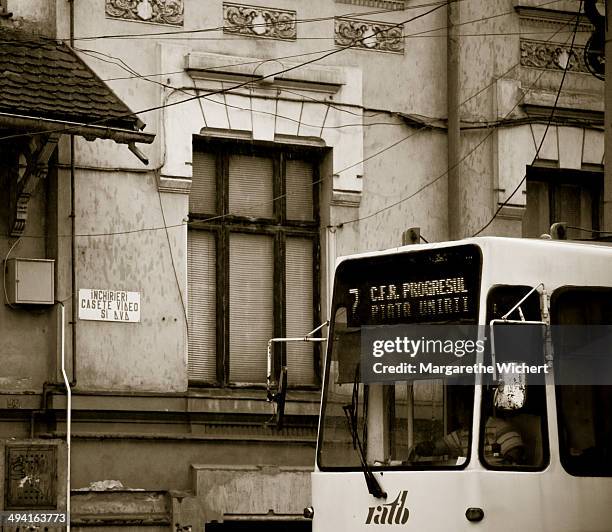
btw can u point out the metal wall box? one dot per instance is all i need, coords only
(30, 477)
(29, 281)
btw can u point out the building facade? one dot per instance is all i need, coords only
(281, 135)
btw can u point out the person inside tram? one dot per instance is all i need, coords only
(503, 443)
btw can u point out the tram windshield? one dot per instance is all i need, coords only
(404, 422)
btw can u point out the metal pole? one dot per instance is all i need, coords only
(607, 192)
(455, 230)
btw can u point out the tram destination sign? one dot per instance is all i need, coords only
(109, 305)
(412, 287)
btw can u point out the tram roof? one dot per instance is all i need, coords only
(527, 261)
(492, 243)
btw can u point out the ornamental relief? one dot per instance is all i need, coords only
(262, 22)
(369, 35)
(552, 56)
(381, 4)
(156, 11)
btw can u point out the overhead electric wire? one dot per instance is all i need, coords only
(412, 35)
(552, 112)
(225, 90)
(190, 90)
(439, 3)
(393, 38)
(344, 169)
(586, 230)
(440, 176)
(326, 53)
(371, 156)
(155, 35)
(376, 154)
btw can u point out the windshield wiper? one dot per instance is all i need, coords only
(350, 411)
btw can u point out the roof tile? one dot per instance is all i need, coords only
(44, 78)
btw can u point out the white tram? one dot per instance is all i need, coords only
(494, 452)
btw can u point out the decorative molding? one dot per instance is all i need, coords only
(35, 171)
(392, 5)
(156, 11)
(174, 184)
(552, 56)
(204, 66)
(369, 35)
(552, 18)
(261, 22)
(314, 108)
(565, 116)
(510, 211)
(345, 198)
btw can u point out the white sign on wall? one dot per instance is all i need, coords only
(109, 305)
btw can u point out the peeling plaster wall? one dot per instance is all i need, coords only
(130, 464)
(27, 348)
(150, 355)
(34, 16)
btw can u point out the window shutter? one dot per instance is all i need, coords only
(569, 205)
(201, 281)
(250, 186)
(299, 312)
(299, 183)
(536, 219)
(202, 197)
(251, 306)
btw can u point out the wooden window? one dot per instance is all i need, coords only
(253, 261)
(557, 195)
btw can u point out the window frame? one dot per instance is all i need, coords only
(590, 180)
(571, 468)
(222, 224)
(531, 309)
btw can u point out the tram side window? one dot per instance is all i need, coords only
(514, 438)
(584, 410)
(442, 418)
(421, 424)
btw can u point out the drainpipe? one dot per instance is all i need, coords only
(454, 133)
(331, 265)
(73, 261)
(68, 409)
(74, 304)
(73, 221)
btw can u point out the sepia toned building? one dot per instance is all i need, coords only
(177, 180)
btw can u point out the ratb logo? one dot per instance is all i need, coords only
(393, 513)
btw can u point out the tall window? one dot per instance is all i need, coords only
(555, 195)
(583, 410)
(253, 256)
(515, 438)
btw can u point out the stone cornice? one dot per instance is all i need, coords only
(550, 18)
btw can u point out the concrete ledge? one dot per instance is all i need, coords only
(120, 508)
